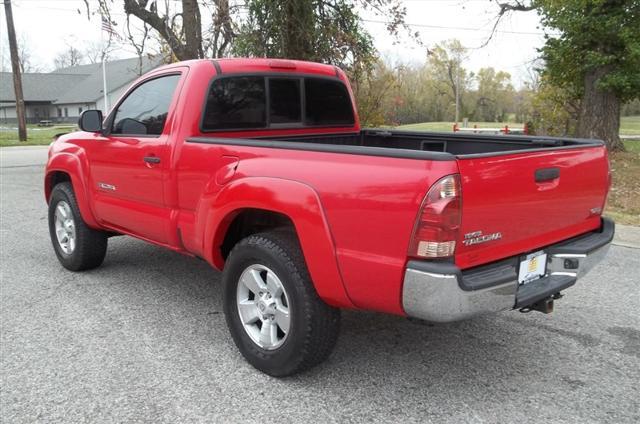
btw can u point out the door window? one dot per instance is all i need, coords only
(144, 110)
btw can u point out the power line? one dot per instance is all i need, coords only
(453, 27)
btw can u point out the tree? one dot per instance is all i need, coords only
(93, 52)
(595, 56)
(449, 77)
(326, 31)
(555, 109)
(178, 24)
(372, 92)
(71, 56)
(24, 57)
(495, 95)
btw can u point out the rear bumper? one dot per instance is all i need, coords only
(441, 292)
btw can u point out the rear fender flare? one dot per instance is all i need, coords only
(301, 204)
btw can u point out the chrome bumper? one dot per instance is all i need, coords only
(441, 292)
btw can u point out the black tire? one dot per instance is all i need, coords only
(90, 245)
(314, 324)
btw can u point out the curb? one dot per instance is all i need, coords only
(627, 236)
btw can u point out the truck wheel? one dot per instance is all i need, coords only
(77, 246)
(273, 312)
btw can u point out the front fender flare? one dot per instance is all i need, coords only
(70, 164)
(301, 204)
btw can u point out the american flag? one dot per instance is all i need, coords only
(108, 28)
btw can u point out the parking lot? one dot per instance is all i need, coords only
(143, 339)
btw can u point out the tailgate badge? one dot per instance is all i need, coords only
(477, 237)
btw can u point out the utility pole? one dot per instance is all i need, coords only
(458, 90)
(17, 77)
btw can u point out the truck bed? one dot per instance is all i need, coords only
(454, 144)
(547, 190)
(408, 144)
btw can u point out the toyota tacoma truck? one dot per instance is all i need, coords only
(260, 168)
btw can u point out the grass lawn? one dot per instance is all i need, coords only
(35, 135)
(630, 125)
(448, 126)
(624, 199)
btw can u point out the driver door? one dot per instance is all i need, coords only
(131, 161)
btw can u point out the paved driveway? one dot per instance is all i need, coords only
(143, 339)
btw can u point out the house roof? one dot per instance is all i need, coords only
(37, 87)
(77, 84)
(119, 73)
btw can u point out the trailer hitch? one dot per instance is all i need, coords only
(544, 305)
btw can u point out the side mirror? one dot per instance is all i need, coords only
(90, 121)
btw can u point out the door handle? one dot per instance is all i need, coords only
(546, 174)
(152, 159)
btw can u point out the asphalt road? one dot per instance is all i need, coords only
(143, 339)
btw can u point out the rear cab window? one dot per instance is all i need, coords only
(236, 103)
(261, 102)
(327, 102)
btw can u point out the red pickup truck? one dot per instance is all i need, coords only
(260, 168)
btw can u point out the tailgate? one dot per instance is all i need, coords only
(516, 203)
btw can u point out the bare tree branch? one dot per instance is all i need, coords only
(137, 9)
(504, 10)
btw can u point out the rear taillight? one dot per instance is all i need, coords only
(436, 229)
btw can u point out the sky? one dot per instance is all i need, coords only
(47, 25)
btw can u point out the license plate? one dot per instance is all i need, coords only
(532, 267)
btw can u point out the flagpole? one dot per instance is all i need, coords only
(104, 70)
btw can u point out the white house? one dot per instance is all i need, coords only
(62, 95)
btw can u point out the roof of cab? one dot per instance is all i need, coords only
(245, 65)
(259, 65)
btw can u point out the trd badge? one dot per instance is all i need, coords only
(477, 237)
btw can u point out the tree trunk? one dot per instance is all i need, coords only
(191, 48)
(298, 24)
(192, 26)
(599, 112)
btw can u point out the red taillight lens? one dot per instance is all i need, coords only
(436, 229)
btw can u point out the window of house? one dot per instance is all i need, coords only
(235, 103)
(59, 113)
(66, 112)
(79, 111)
(145, 109)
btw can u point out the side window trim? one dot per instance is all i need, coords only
(108, 122)
(303, 77)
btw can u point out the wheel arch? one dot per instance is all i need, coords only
(65, 167)
(250, 221)
(253, 204)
